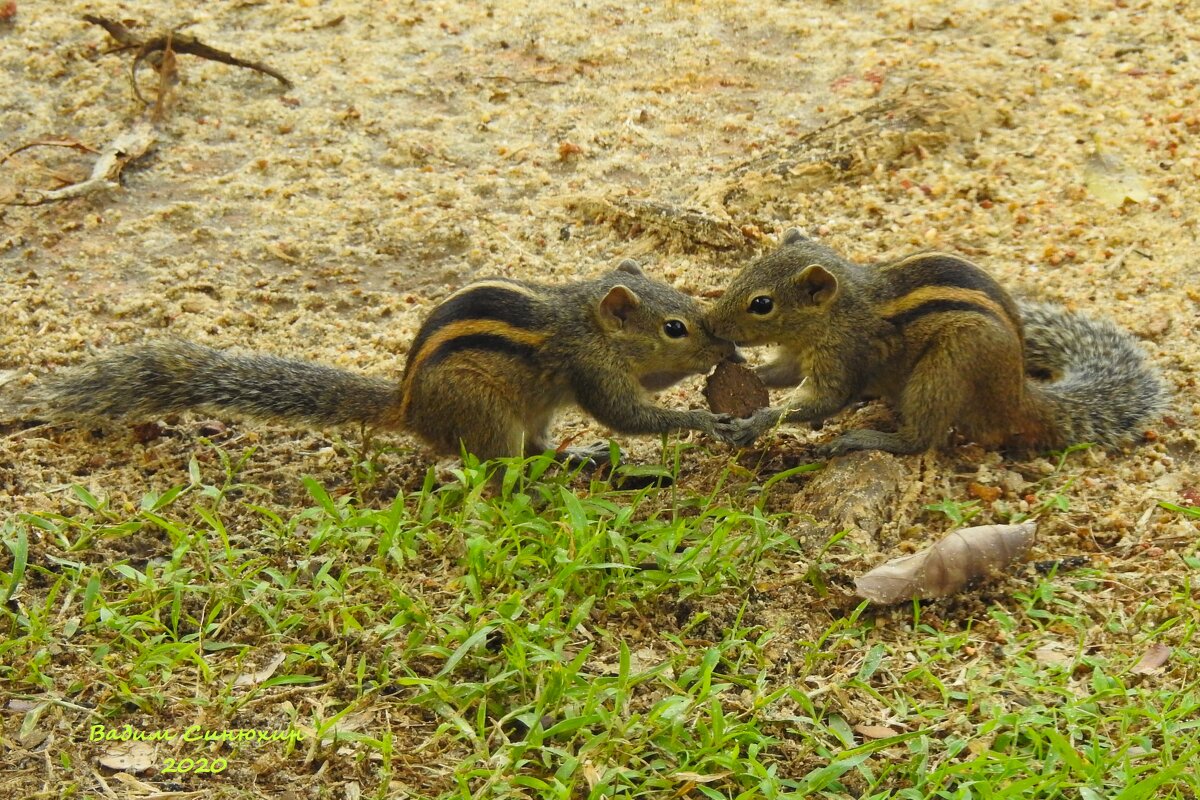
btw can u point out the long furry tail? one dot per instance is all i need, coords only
(1101, 389)
(174, 375)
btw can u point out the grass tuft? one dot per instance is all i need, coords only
(521, 631)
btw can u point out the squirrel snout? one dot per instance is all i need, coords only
(729, 351)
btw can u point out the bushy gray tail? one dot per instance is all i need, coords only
(174, 375)
(1101, 388)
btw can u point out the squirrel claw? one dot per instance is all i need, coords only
(846, 443)
(591, 457)
(832, 449)
(853, 441)
(738, 432)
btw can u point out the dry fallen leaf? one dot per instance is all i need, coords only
(106, 171)
(948, 566)
(697, 777)
(145, 790)
(258, 676)
(129, 757)
(1053, 654)
(988, 494)
(20, 706)
(1107, 177)
(591, 774)
(32, 733)
(876, 731)
(1153, 660)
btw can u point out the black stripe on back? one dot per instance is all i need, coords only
(486, 302)
(493, 342)
(936, 307)
(944, 270)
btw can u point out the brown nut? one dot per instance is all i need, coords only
(735, 389)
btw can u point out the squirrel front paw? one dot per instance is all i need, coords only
(743, 432)
(713, 425)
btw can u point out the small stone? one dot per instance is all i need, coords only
(988, 494)
(212, 427)
(146, 432)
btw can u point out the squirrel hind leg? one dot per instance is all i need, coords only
(485, 436)
(478, 422)
(984, 396)
(592, 456)
(985, 403)
(534, 432)
(865, 439)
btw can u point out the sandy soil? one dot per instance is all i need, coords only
(429, 143)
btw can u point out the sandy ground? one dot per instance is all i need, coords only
(426, 144)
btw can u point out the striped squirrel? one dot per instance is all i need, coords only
(486, 372)
(942, 342)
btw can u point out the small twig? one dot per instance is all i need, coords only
(116, 30)
(104, 787)
(166, 73)
(690, 224)
(330, 23)
(194, 47)
(19, 434)
(176, 43)
(77, 145)
(106, 172)
(542, 81)
(63, 180)
(58, 701)
(1119, 261)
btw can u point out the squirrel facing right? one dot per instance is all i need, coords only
(942, 342)
(487, 371)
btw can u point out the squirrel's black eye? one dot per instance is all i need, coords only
(675, 329)
(761, 305)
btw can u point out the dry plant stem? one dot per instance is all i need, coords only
(106, 172)
(167, 71)
(72, 143)
(919, 119)
(191, 46)
(696, 226)
(188, 45)
(540, 81)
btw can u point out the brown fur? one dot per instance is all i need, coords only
(487, 372)
(939, 340)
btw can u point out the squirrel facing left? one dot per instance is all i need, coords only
(942, 342)
(487, 371)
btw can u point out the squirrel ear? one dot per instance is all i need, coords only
(793, 236)
(817, 285)
(617, 305)
(630, 266)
